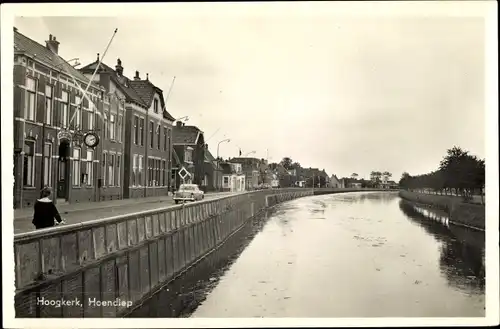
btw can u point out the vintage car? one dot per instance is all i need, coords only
(188, 192)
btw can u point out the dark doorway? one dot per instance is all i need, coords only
(63, 170)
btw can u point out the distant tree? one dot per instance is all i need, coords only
(287, 163)
(354, 176)
(479, 176)
(459, 172)
(375, 176)
(405, 180)
(387, 174)
(295, 165)
(459, 169)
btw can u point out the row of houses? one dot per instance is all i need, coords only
(96, 134)
(106, 139)
(361, 183)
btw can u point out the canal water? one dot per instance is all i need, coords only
(364, 254)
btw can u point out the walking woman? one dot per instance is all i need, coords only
(46, 214)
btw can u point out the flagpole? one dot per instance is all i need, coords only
(169, 91)
(95, 71)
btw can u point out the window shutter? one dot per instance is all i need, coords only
(85, 119)
(40, 108)
(84, 167)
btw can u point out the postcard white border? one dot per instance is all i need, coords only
(487, 9)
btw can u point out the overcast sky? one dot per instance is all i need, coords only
(344, 94)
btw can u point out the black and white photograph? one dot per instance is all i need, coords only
(236, 164)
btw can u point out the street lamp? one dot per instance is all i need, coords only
(222, 141)
(218, 161)
(184, 118)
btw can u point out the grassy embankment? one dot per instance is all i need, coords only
(460, 213)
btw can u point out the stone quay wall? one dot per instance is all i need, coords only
(107, 267)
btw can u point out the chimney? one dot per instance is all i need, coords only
(119, 67)
(179, 123)
(52, 44)
(15, 29)
(137, 77)
(206, 146)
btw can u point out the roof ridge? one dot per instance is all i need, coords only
(52, 57)
(33, 40)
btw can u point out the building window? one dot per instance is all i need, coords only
(151, 133)
(104, 163)
(158, 135)
(119, 128)
(135, 169)
(153, 172)
(188, 155)
(30, 101)
(141, 131)
(76, 167)
(64, 109)
(157, 173)
(48, 105)
(90, 120)
(29, 164)
(78, 112)
(141, 166)
(47, 164)
(169, 140)
(90, 167)
(136, 130)
(117, 173)
(226, 181)
(150, 172)
(156, 106)
(111, 170)
(105, 133)
(148, 175)
(165, 139)
(112, 125)
(164, 172)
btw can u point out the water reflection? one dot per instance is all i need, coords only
(462, 251)
(356, 197)
(181, 297)
(344, 255)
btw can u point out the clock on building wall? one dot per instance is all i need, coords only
(91, 139)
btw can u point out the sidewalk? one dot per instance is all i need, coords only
(78, 213)
(65, 209)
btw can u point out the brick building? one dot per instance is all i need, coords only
(189, 153)
(48, 125)
(147, 144)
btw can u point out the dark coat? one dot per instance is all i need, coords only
(45, 213)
